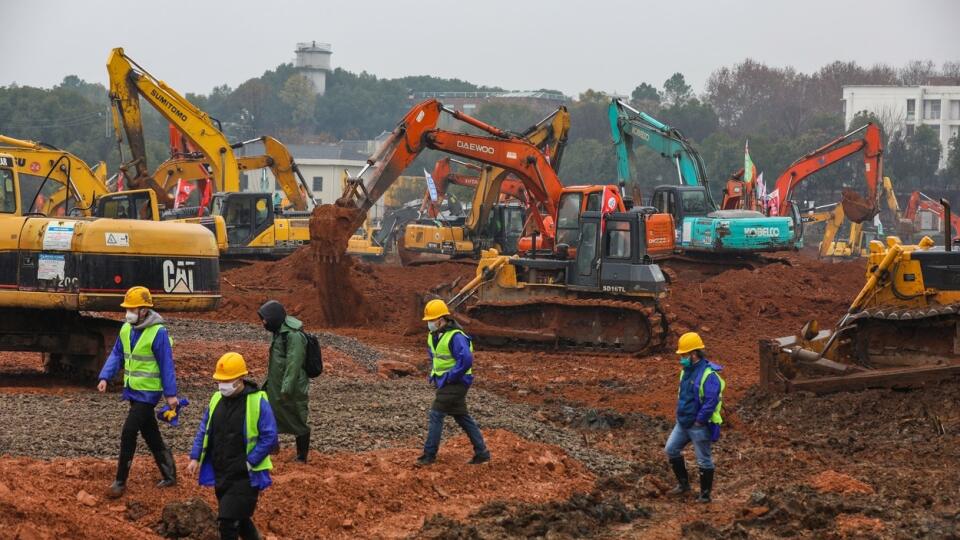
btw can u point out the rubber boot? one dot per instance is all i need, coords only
(303, 447)
(119, 485)
(683, 480)
(706, 485)
(168, 468)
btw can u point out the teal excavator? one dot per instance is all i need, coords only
(701, 228)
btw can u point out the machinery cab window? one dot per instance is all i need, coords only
(665, 202)
(694, 203)
(126, 205)
(8, 195)
(618, 237)
(568, 219)
(246, 215)
(587, 251)
(593, 202)
(37, 196)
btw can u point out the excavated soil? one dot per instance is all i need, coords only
(577, 439)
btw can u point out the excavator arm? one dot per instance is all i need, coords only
(443, 175)
(628, 125)
(418, 131)
(128, 83)
(856, 209)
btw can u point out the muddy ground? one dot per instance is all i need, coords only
(577, 440)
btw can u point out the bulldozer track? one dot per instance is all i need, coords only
(908, 333)
(648, 314)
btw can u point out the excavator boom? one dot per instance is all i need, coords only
(856, 208)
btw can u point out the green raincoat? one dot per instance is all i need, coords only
(287, 383)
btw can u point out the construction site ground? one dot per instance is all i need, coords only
(577, 440)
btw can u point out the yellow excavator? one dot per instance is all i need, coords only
(856, 244)
(254, 226)
(490, 224)
(55, 268)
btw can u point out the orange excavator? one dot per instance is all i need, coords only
(443, 175)
(586, 283)
(926, 215)
(856, 208)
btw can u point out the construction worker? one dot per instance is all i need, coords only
(287, 383)
(699, 401)
(451, 356)
(146, 352)
(232, 447)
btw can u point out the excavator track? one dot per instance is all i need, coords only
(572, 324)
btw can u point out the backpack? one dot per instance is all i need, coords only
(313, 359)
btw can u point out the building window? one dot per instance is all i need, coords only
(954, 132)
(843, 105)
(955, 109)
(317, 183)
(931, 109)
(910, 130)
(244, 182)
(911, 110)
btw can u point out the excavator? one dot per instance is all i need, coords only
(54, 269)
(491, 223)
(254, 226)
(858, 238)
(588, 284)
(900, 331)
(701, 229)
(926, 215)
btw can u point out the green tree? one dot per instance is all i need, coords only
(298, 95)
(952, 170)
(589, 161)
(676, 91)
(912, 160)
(508, 115)
(645, 94)
(696, 120)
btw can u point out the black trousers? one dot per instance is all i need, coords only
(140, 420)
(236, 501)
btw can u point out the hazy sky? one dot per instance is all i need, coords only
(570, 45)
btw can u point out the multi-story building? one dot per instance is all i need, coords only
(904, 108)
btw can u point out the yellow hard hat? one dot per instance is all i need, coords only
(137, 297)
(689, 342)
(230, 366)
(435, 309)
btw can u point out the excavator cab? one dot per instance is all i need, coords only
(612, 255)
(136, 204)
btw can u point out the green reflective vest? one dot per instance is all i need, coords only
(715, 418)
(251, 420)
(140, 369)
(443, 360)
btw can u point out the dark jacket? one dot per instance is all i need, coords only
(227, 444)
(690, 408)
(287, 383)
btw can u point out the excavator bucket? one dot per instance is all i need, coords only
(856, 208)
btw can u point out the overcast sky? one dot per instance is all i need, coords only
(570, 45)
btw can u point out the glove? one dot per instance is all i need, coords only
(171, 415)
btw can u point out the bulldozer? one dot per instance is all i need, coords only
(900, 331)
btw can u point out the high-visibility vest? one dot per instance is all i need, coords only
(252, 418)
(443, 360)
(715, 418)
(141, 371)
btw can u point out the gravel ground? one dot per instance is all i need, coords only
(219, 331)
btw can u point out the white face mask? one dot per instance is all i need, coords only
(132, 317)
(433, 325)
(228, 388)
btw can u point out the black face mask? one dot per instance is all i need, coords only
(272, 314)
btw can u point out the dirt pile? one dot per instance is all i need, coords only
(835, 482)
(192, 518)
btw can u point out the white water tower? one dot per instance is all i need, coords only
(313, 60)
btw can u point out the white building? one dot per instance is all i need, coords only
(906, 107)
(322, 167)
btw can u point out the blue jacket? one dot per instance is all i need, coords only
(689, 407)
(460, 349)
(267, 440)
(161, 351)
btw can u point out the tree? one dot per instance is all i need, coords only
(589, 161)
(593, 96)
(508, 115)
(912, 160)
(298, 95)
(694, 119)
(645, 94)
(917, 72)
(952, 171)
(676, 91)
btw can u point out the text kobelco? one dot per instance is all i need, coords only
(474, 147)
(768, 232)
(169, 106)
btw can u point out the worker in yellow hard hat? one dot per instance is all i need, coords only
(145, 352)
(451, 357)
(699, 402)
(232, 446)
